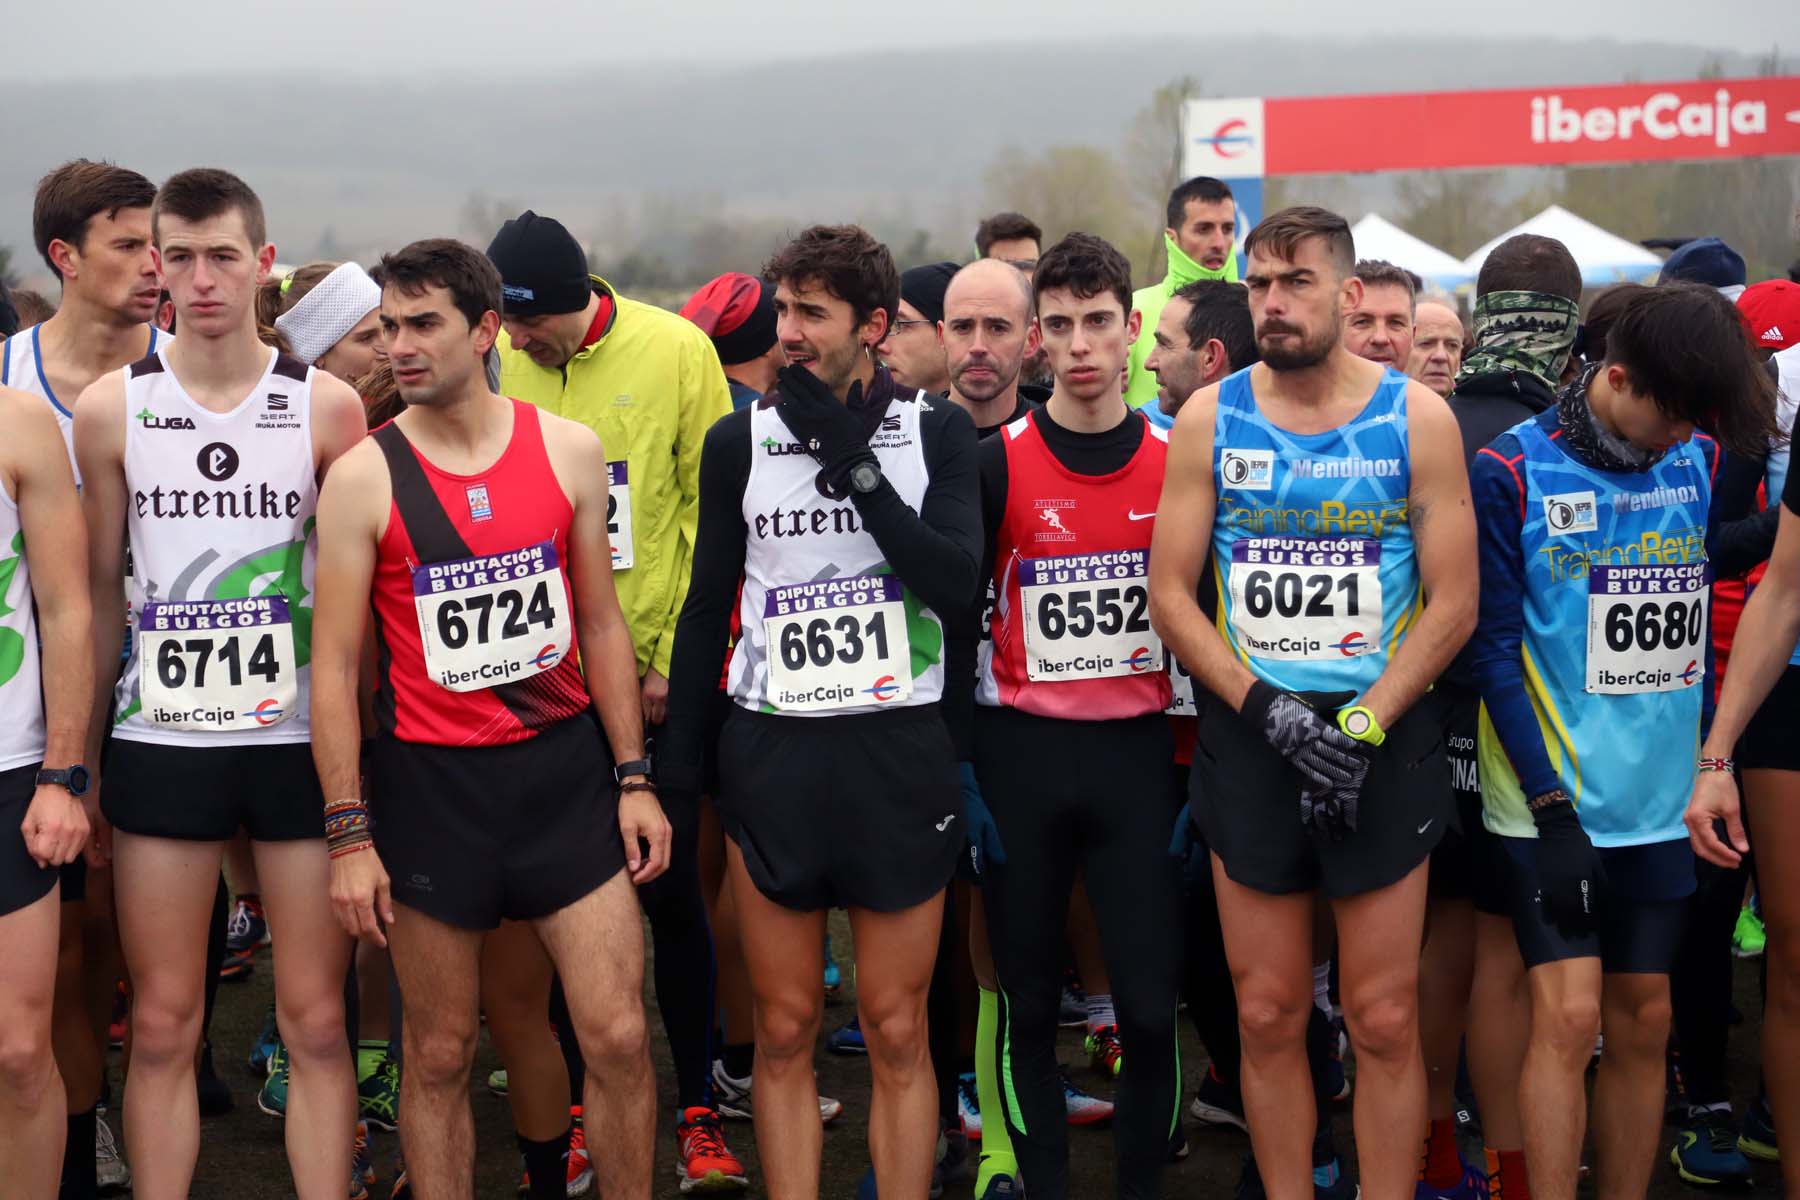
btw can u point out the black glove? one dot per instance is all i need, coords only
(1571, 881)
(1326, 757)
(824, 425)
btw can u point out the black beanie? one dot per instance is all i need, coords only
(924, 288)
(542, 268)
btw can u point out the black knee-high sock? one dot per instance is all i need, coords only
(215, 951)
(79, 1181)
(547, 1164)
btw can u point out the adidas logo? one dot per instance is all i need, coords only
(1771, 334)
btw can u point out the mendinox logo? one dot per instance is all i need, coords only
(1656, 497)
(1346, 468)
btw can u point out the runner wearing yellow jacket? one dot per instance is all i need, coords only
(1199, 239)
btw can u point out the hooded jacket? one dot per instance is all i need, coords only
(1140, 385)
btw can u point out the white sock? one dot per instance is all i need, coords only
(1100, 1012)
(1322, 987)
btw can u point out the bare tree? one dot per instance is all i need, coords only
(1152, 154)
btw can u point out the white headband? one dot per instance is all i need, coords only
(332, 309)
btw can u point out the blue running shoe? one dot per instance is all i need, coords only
(1082, 1108)
(1706, 1151)
(834, 978)
(848, 1039)
(1757, 1136)
(1472, 1186)
(1330, 1182)
(263, 1049)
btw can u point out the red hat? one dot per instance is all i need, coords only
(738, 313)
(1772, 311)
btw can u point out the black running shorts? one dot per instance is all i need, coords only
(1643, 911)
(1246, 800)
(474, 835)
(22, 882)
(863, 810)
(1468, 864)
(208, 793)
(1768, 742)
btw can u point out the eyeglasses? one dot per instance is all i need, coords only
(1027, 265)
(897, 326)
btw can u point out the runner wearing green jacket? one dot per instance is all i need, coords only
(1199, 239)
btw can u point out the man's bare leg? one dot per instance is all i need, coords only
(1500, 1007)
(1628, 1088)
(784, 951)
(1268, 941)
(597, 944)
(78, 1053)
(1378, 968)
(1446, 973)
(311, 955)
(515, 994)
(438, 969)
(895, 953)
(33, 1113)
(164, 889)
(1565, 1016)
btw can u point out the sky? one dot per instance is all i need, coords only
(360, 36)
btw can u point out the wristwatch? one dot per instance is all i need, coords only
(625, 770)
(1359, 723)
(74, 778)
(865, 477)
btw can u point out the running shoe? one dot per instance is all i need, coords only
(1756, 1136)
(1675, 1102)
(1337, 1084)
(236, 966)
(733, 1097)
(834, 978)
(246, 928)
(1706, 1151)
(272, 1099)
(1178, 1144)
(867, 1190)
(1749, 939)
(847, 1039)
(496, 1082)
(268, 1038)
(1472, 1186)
(1002, 1187)
(703, 1162)
(1082, 1108)
(1330, 1182)
(402, 1185)
(1216, 1103)
(358, 1189)
(1073, 1013)
(968, 1106)
(378, 1096)
(954, 1156)
(213, 1096)
(110, 1170)
(362, 1164)
(581, 1168)
(1106, 1054)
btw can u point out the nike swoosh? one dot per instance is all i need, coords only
(1425, 826)
(1135, 515)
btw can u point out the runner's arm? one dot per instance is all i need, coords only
(1769, 626)
(704, 629)
(352, 505)
(1496, 647)
(1443, 525)
(100, 452)
(1178, 554)
(936, 551)
(339, 420)
(703, 397)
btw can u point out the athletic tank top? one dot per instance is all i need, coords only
(22, 367)
(473, 608)
(1312, 543)
(1614, 643)
(827, 628)
(21, 689)
(1071, 624)
(219, 516)
(1787, 402)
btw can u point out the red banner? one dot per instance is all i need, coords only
(1639, 122)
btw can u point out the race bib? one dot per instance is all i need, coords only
(837, 643)
(1087, 616)
(217, 666)
(1181, 684)
(1306, 599)
(618, 514)
(1646, 627)
(494, 618)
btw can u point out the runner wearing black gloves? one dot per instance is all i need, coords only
(1332, 495)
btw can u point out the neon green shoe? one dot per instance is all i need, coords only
(1749, 939)
(272, 1099)
(378, 1096)
(497, 1082)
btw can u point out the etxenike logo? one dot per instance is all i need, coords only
(1351, 645)
(1141, 660)
(883, 689)
(268, 712)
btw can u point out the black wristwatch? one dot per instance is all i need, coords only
(865, 477)
(625, 770)
(74, 778)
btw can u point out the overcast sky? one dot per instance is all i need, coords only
(126, 38)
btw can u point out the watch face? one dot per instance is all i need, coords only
(1357, 723)
(78, 779)
(865, 477)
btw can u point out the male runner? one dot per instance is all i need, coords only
(202, 460)
(1202, 222)
(476, 527)
(1331, 494)
(912, 352)
(1069, 721)
(737, 312)
(1437, 346)
(46, 689)
(1380, 327)
(91, 224)
(1591, 654)
(1204, 334)
(848, 508)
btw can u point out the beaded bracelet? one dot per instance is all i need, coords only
(346, 827)
(1719, 764)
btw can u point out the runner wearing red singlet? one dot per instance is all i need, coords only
(476, 525)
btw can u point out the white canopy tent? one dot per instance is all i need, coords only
(1604, 258)
(1378, 237)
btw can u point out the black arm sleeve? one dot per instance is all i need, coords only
(963, 631)
(936, 550)
(704, 627)
(1742, 536)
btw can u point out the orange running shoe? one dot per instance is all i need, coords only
(704, 1163)
(581, 1169)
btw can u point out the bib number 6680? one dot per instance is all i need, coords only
(1646, 626)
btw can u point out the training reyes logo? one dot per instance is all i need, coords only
(1571, 512)
(1247, 470)
(150, 420)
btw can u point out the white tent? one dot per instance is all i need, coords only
(1603, 257)
(1377, 237)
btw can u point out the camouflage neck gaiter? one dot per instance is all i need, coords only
(1522, 331)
